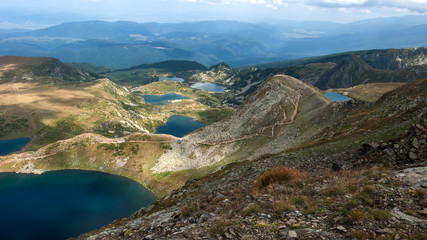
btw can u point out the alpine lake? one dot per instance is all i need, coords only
(63, 204)
(334, 97)
(178, 125)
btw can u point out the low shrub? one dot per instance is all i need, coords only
(276, 175)
(378, 214)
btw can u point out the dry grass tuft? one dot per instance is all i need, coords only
(356, 215)
(283, 206)
(276, 175)
(188, 211)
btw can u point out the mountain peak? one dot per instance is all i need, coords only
(351, 71)
(276, 102)
(220, 66)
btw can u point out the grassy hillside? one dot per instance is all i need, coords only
(369, 92)
(49, 105)
(18, 69)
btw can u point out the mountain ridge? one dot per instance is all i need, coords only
(208, 42)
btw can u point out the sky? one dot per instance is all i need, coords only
(341, 11)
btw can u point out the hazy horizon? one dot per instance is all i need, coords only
(30, 14)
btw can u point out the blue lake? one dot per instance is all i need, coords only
(211, 87)
(13, 145)
(178, 126)
(63, 204)
(333, 96)
(162, 99)
(173, 79)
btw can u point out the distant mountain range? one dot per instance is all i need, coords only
(123, 44)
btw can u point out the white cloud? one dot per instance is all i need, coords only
(271, 6)
(267, 3)
(365, 5)
(412, 5)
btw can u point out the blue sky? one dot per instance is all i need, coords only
(342, 11)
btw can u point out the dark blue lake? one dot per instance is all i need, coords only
(178, 126)
(211, 87)
(173, 79)
(163, 99)
(63, 204)
(13, 145)
(333, 96)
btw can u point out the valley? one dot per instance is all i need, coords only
(260, 119)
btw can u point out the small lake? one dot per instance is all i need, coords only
(163, 99)
(67, 203)
(211, 87)
(333, 96)
(13, 145)
(178, 126)
(172, 79)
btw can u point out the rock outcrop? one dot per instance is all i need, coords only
(395, 59)
(408, 148)
(220, 73)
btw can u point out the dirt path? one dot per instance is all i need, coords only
(260, 132)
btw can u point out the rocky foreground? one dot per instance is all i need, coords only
(377, 192)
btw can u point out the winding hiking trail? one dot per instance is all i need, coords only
(284, 121)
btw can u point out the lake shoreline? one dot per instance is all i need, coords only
(102, 199)
(84, 146)
(42, 171)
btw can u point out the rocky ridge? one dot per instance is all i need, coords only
(333, 197)
(248, 134)
(268, 113)
(277, 102)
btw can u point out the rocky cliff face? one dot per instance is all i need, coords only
(395, 59)
(353, 70)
